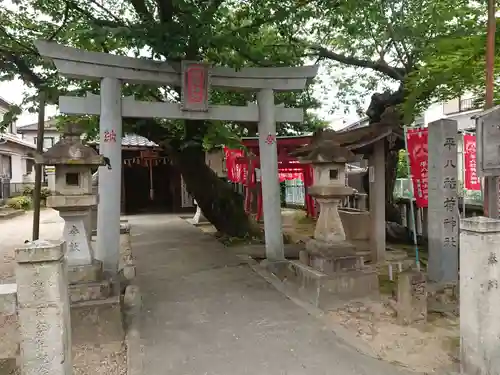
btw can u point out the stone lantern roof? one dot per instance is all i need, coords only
(70, 150)
(326, 151)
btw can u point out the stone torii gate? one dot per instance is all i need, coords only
(195, 79)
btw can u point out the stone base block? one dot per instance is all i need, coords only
(9, 367)
(332, 257)
(330, 249)
(124, 227)
(411, 297)
(85, 274)
(97, 322)
(327, 291)
(9, 337)
(90, 291)
(334, 264)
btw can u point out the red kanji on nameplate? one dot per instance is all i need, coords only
(195, 86)
(110, 136)
(270, 139)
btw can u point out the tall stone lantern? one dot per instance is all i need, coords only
(73, 196)
(328, 160)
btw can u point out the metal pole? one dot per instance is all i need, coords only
(490, 182)
(38, 167)
(412, 209)
(151, 189)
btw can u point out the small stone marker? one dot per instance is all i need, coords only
(198, 217)
(411, 297)
(43, 308)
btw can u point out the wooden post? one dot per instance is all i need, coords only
(38, 167)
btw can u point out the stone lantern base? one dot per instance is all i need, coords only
(330, 271)
(329, 251)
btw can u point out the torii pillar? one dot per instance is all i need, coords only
(269, 176)
(110, 145)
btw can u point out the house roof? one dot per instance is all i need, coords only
(4, 103)
(15, 139)
(50, 124)
(132, 141)
(361, 123)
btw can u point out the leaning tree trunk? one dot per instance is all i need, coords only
(220, 204)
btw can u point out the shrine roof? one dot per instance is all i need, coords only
(359, 140)
(131, 141)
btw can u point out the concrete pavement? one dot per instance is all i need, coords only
(205, 312)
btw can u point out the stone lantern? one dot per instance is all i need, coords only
(73, 196)
(329, 244)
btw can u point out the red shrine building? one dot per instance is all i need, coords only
(243, 167)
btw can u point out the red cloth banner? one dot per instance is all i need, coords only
(236, 172)
(472, 181)
(416, 139)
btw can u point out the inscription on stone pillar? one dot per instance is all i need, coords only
(443, 201)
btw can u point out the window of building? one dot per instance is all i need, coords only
(29, 165)
(5, 166)
(48, 142)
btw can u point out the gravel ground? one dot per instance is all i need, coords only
(13, 233)
(109, 358)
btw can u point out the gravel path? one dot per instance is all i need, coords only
(13, 233)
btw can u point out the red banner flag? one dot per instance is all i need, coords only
(419, 163)
(472, 181)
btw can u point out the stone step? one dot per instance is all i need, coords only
(92, 291)
(85, 274)
(99, 322)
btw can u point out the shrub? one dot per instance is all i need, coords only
(20, 203)
(28, 191)
(45, 193)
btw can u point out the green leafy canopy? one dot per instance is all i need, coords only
(228, 33)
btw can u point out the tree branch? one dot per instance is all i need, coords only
(65, 20)
(165, 10)
(380, 66)
(142, 10)
(22, 45)
(22, 68)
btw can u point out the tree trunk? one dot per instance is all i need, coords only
(219, 203)
(222, 206)
(381, 110)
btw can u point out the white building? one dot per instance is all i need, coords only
(16, 162)
(50, 137)
(462, 110)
